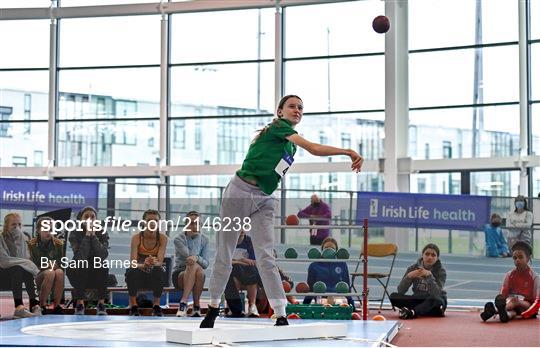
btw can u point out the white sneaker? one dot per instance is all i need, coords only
(182, 310)
(21, 312)
(253, 312)
(36, 310)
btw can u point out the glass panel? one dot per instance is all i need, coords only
(535, 19)
(500, 183)
(110, 41)
(339, 84)
(535, 71)
(223, 141)
(535, 116)
(206, 90)
(332, 29)
(430, 22)
(23, 144)
(441, 183)
(191, 145)
(109, 93)
(222, 36)
(26, 46)
(447, 133)
(536, 185)
(71, 3)
(135, 195)
(197, 192)
(447, 77)
(24, 95)
(108, 143)
(25, 3)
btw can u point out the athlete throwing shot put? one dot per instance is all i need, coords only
(249, 198)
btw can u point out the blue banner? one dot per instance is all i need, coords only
(34, 194)
(423, 210)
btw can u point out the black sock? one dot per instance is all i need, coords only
(33, 302)
(18, 302)
(210, 317)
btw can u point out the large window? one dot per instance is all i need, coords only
(443, 82)
(535, 19)
(332, 29)
(497, 132)
(104, 96)
(110, 41)
(500, 183)
(222, 36)
(340, 84)
(23, 91)
(107, 143)
(316, 38)
(109, 93)
(446, 23)
(535, 89)
(464, 86)
(441, 183)
(222, 90)
(448, 77)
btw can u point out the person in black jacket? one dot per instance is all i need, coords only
(427, 277)
(87, 244)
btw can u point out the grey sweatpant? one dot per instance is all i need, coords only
(242, 200)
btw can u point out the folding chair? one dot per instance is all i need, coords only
(377, 250)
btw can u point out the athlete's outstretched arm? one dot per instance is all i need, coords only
(325, 150)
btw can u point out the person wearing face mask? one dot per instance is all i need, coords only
(328, 272)
(191, 259)
(51, 275)
(519, 222)
(319, 213)
(427, 277)
(88, 243)
(16, 267)
(496, 245)
(520, 292)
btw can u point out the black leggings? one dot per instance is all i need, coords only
(138, 280)
(422, 304)
(88, 278)
(17, 276)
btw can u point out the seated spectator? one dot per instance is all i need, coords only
(520, 292)
(496, 245)
(16, 267)
(519, 222)
(88, 243)
(330, 273)
(51, 275)
(148, 250)
(244, 275)
(191, 250)
(427, 277)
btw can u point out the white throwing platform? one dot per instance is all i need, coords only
(256, 332)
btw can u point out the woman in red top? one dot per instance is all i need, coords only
(520, 293)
